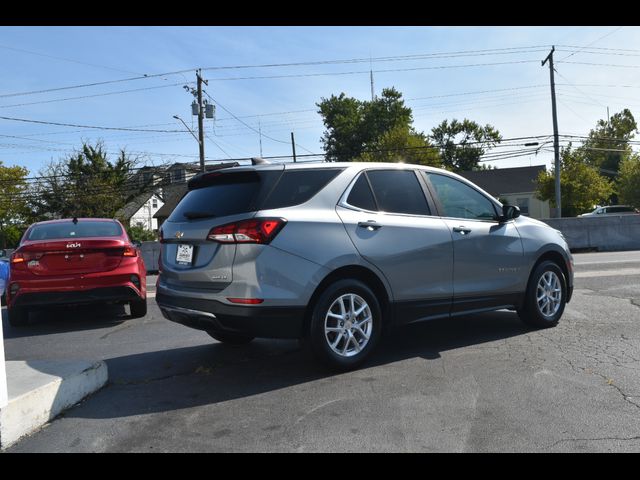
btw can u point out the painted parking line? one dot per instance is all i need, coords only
(621, 272)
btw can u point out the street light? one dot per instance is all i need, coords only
(187, 127)
(200, 142)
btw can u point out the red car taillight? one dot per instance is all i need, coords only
(130, 252)
(257, 230)
(16, 258)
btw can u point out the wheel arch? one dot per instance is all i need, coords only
(559, 259)
(357, 272)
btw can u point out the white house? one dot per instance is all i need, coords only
(141, 211)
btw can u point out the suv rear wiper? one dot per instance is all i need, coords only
(191, 215)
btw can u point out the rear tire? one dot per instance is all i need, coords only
(138, 308)
(346, 323)
(231, 338)
(546, 296)
(18, 316)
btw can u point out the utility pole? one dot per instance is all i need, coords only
(200, 117)
(293, 145)
(556, 145)
(260, 133)
(371, 74)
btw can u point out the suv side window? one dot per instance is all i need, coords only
(398, 191)
(298, 186)
(459, 200)
(361, 195)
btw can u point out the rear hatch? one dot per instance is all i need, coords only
(189, 260)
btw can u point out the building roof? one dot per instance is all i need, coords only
(503, 181)
(130, 209)
(172, 195)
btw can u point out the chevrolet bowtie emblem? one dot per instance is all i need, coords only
(179, 234)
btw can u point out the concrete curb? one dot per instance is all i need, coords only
(39, 390)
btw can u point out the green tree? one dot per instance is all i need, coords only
(13, 204)
(138, 233)
(608, 143)
(353, 126)
(582, 185)
(402, 144)
(629, 181)
(85, 184)
(462, 144)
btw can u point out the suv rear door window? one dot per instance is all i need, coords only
(298, 186)
(398, 191)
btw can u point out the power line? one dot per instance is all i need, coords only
(595, 41)
(86, 126)
(22, 50)
(247, 125)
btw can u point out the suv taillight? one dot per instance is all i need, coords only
(257, 230)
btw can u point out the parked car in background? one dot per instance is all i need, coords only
(612, 210)
(336, 253)
(4, 274)
(75, 261)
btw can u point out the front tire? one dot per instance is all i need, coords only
(546, 296)
(346, 323)
(18, 316)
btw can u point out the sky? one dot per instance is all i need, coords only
(492, 75)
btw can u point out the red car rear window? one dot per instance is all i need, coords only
(82, 229)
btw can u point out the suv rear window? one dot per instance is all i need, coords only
(82, 229)
(225, 194)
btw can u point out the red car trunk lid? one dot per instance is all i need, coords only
(72, 256)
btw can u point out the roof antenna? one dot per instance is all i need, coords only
(259, 161)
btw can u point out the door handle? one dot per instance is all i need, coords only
(370, 225)
(462, 230)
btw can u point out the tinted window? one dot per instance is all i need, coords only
(82, 229)
(460, 200)
(224, 194)
(361, 196)
(398, 191)
(298, 186)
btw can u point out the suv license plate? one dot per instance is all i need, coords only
(185, 254)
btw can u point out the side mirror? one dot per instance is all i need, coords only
(509, 212)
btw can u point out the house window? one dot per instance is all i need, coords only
(523, 204)
(154, 203)
(178, 175)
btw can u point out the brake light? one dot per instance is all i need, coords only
(130, 252)
(257, 230)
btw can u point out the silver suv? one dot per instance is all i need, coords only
(336, 253)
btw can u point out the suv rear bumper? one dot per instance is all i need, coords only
(214, 316)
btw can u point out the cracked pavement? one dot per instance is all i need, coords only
(480, 383)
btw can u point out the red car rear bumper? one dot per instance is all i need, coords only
(123, 284)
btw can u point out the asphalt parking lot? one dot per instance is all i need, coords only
(480, 383)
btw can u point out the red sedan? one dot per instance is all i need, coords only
(75, 261)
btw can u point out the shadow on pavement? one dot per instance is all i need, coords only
(188, 377)
(50, 320)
